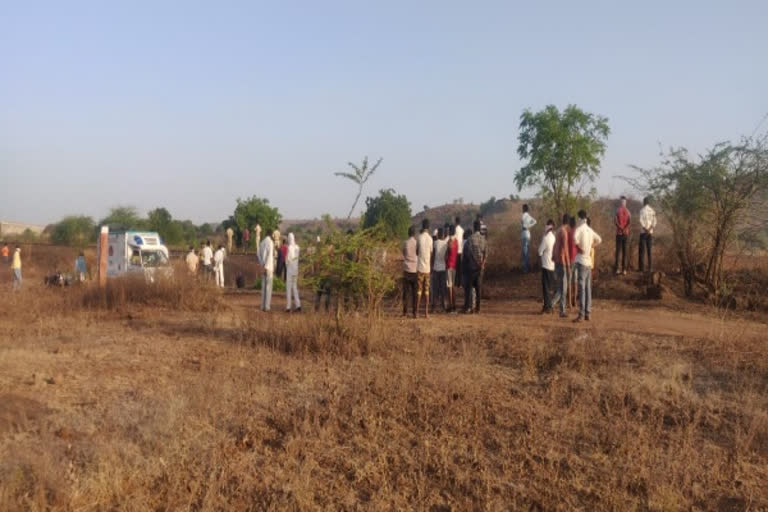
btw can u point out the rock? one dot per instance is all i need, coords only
(49, 380)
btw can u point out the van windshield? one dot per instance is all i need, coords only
(153, 259)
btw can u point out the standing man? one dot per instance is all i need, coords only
(257, 232)
(586, 239)
(439, 268)
(527, 222)
(622, 220)
(424, 251)
(80, 269)
(483, 226)
(460, 243)
(451, 262)
(230, 234)
(573, 251)
(246, 239)
(475, 256)
(561, 256)
(282, 252)
(16, 268)
(192, 261)
(267, 261)
(207, 255)
(292, 274)
(410, 267)
(218, 266)
(547, 266)
(648, 224)
(6, 253)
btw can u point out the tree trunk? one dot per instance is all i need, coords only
(357, 198)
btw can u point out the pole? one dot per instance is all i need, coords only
(102, 256)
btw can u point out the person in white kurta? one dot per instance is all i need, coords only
(292, 274)
(218, 266)
(267, 261)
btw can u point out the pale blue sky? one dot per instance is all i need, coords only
(190, 104)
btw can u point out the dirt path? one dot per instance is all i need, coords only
(608, 315)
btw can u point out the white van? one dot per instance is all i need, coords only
(137, 251)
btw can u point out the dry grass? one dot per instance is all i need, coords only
(140, 408)
(178, 292)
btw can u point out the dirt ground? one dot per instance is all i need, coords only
(650, 406)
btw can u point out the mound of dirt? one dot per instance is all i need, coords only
(632, 287)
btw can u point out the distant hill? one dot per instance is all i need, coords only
(446, 213)
(310, 228)
(494, 211)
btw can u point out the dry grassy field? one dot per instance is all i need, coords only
(185, 398)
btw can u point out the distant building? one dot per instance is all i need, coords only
(8, 228)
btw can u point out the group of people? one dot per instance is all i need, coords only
(209, 264)
(14, 260)
(435, 264)
(623, 220)
(568, 255)
(276, 255)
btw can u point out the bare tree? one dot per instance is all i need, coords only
(706, 201)
(360, 175)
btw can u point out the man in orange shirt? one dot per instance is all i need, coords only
(5, 253)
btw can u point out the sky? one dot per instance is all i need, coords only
(189, 104)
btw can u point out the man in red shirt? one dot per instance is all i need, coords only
(622, 220)
(451, 262)
(572, 252)
(246, 239)
(562, 257)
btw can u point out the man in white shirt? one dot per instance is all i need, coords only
(648, 224)
(424, 246)
(439, 269)
(207, 256)
(459, 234)
(585, 239)
(526, 223)
(292, 274)
(547, 266)
(267, 261)
(218, 266)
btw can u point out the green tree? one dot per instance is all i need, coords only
(563, 152)
(360, 175)
(252, 211)
(205, 230)
(189, 231)
(170, 231)
(389, 209)
(122, 218)
(76, 231)
(159, 219)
